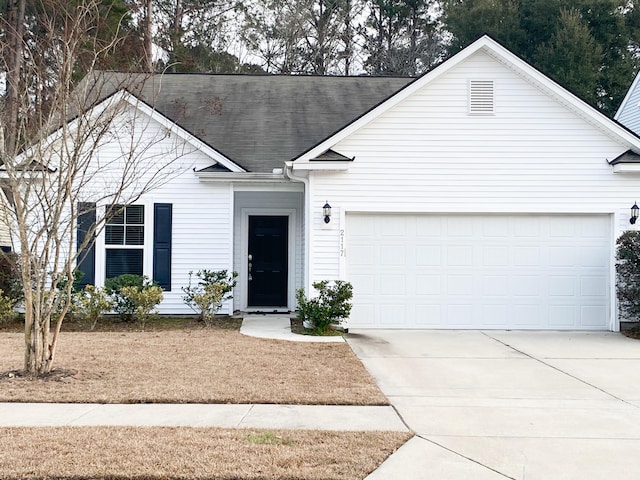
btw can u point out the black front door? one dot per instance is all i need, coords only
(268, 260)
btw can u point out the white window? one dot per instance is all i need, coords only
(124, 240)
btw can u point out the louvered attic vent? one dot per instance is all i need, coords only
(481, 93)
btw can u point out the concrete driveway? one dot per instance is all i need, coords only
(502, 404)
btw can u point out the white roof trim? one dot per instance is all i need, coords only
(509, 59)
(626, 168)
(627, 97)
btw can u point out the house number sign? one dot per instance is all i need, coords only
(342, 252)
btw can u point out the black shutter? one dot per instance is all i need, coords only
(86, 262)
(162, 219)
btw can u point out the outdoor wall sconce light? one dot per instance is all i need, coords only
(635, 210)
(326, 211)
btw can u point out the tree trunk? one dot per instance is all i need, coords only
(148, 38)
(15, 30)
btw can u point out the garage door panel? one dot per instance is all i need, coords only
(428, 255)
(496, 316)
(428, 285)
(495, 285)
(460, 315)
(428, 315)
(562, 286)
(395, 255)
(527, 315)
(474, 271)
(591, 315)
(495, 256)
(562, 316)
(593, 287)
(429, 226)
(592, 257)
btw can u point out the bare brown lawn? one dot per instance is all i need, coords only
(189, 365)
(190, 453)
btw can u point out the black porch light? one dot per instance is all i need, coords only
(326, 211)
(635, 210)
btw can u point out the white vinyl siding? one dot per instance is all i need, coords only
(428, 155)
(479, 271)
(202, 214)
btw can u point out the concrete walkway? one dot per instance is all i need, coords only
(306, 417)
(278, 328)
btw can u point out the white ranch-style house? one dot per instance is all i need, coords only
(480, 195)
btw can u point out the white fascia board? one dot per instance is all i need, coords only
(333, 166)
(512, 61)
(627, 97)
(180, 132)
(626, 168)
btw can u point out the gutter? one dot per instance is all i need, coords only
(288, 173)
(241, 177)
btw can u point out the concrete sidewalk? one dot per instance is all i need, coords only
(305, 417)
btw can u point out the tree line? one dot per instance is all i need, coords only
(590, 46)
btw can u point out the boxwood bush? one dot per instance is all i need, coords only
(628, 275)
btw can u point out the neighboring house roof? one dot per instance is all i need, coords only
(491, 47)
(628, 112)
(257, 121)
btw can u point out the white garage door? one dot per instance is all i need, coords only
(479, 271)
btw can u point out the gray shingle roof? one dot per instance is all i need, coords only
(259, 121)
(626, 157)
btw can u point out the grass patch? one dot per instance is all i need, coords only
(191, 453)
(268, 438)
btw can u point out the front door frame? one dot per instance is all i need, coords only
(291, 250)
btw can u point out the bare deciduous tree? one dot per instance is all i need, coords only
(77, 146)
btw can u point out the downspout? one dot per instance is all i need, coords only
(288, 172)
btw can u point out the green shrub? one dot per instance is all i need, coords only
(123, 305)
(92, 303)
(628, 275)
(61, 300)
(7, 312)
(332, 305)
(144, 299)
(206, 297)
(10, 276)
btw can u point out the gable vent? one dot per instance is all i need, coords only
(481, 95)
